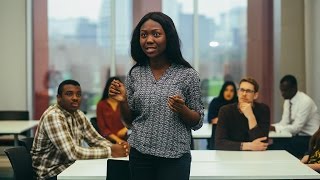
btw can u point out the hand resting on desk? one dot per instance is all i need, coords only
(120, 150)
(255, 145)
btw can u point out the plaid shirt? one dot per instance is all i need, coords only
(58, 141)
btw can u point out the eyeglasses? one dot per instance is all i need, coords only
(248, 91)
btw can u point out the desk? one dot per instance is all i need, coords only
(252, 170)
(205, 133)
(16, 127)
(282, 134)
(217, 165)
(242, 156)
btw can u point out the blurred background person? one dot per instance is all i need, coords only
(244, 126)
(109, 117)
(300, 117)
(227, 95)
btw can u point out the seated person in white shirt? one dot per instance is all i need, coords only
(300, 117)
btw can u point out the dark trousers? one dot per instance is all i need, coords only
(147, 167)
(297, 145)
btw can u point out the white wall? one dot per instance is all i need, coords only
(297, 44)
(292, 54)
(312, 32)
(13, 66)
(277, 59)
(289, 47)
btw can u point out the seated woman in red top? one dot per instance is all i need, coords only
(109, 117)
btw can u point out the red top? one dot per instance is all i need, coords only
(109, 121)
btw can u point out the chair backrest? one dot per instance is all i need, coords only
(27, 143)
(94, 123)
(118, 170)
(21, 162)
(14, 115)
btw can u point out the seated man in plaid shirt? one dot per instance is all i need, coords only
(62, 128)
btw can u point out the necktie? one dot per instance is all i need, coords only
(290, 116)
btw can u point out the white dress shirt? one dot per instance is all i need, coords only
(305, 119)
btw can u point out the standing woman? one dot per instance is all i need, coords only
(227, 95)
(109, 117)
(161, 101)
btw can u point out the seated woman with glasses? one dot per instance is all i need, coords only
(244, 125)
(227, 95)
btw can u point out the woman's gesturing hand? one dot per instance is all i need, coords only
(117, 91)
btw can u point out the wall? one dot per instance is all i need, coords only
(312, 29)
(277, 103)
(292, 41)
(142, 7)
(289, 47)
(260, 48)
(13, 68)
(297, 44)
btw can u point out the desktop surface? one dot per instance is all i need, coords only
(211, 164)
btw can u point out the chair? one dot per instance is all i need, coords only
(118, 170)
(21, 162)
(94, 123)
(27, 143)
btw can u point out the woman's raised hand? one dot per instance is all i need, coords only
(117, 91)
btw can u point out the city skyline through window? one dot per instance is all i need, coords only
(80, 42)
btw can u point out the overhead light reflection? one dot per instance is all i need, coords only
(214, 44)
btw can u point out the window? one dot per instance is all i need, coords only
(221, 39)
(80, 42)
(90, 42)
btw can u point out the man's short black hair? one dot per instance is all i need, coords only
(291, 80)
(66, 82)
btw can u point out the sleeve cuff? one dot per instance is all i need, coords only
(109, 152)
(278, 128)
